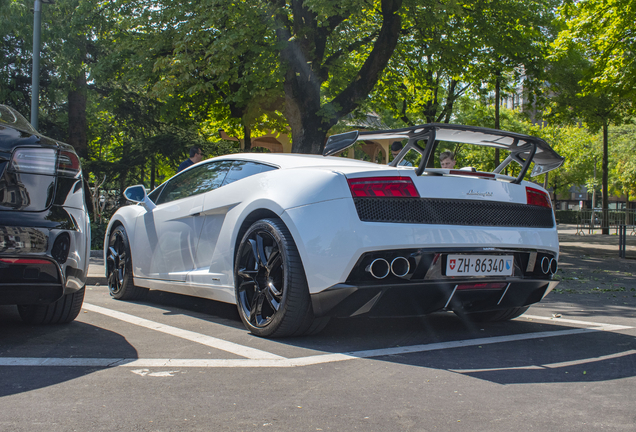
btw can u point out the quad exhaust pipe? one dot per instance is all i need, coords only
(380, 268)
(549, 265)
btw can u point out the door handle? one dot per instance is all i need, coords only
(196, 211)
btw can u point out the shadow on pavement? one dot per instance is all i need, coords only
(74, 340)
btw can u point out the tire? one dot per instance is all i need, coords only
(62, 311)
(119, 265)
(498, 315)
(271, 289)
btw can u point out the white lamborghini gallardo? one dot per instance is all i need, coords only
(293, 240)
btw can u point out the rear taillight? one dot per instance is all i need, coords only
(47, 161)
(34, 160)
(68, 163)
(389, 187)
(537, 198)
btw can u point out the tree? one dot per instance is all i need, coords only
(16, 45)
(430, 68)
(624, 170)
(605, 30)
(316, 40)
(319, 58)
(581, 91)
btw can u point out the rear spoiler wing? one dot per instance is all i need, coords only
(524, 149)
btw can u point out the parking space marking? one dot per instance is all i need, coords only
(282, 362)
(231, 347)
(565, 320)
(550, 365)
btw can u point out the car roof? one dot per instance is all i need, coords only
(286, 160)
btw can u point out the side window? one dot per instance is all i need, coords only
(195, 181)
(155, 193)
(243, 169)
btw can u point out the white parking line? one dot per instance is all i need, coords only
(281, 362)
(241, 350)
(550, 365)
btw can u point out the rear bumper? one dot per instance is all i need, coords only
(419, 285)
(417, 299)
(44, 255)
(30, 294)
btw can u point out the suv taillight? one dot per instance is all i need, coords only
(35, 160)
(537, 197)
(68, 163)
(390, 187)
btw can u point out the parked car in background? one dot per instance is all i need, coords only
(293, 240)
(44, 224)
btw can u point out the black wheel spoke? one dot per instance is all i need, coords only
(112, 281)
(254, 253)
(247, 274)
(262, 258)
(275, 260)
(244, 285)
(271, 299)
(257, 307)
(271, 287)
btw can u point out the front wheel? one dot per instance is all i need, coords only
(62, 311)
(119, 265)
(271, 288)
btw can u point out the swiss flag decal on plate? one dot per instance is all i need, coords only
(451, 264)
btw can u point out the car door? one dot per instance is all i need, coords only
(166, 238)
(216, 206)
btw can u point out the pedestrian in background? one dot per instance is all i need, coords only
(196, 155)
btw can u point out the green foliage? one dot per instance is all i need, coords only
(604, 30)
(623, 170)
(451, 48)
(567, 216)
(98, 231)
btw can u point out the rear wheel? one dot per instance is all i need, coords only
(62, 311)
(271, 288)
(498, 315)
(119, 265)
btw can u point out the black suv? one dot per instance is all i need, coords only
(44, 224)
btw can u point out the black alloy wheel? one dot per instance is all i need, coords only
(271, 288)
(119, 265)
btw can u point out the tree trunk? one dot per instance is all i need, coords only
(605, 229)
(152, 171)
(497, 99)
(308, 119)
(247, 136)
(77, 115)
(124, 173)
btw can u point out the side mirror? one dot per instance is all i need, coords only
(138, 195)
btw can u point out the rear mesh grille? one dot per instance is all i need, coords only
(452, 212)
